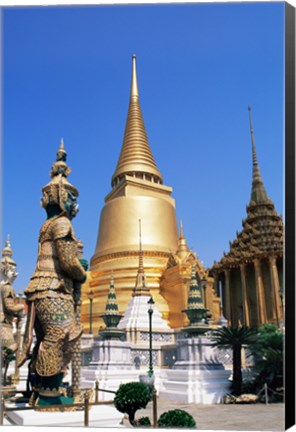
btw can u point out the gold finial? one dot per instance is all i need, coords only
(181, 230)
(134, 85)
(7, 243)
(182, 250)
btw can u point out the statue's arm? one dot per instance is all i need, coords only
(67, 254)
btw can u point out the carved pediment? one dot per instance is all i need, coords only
(172, 261)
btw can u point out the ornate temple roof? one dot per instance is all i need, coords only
(135, 156)
(262, 233)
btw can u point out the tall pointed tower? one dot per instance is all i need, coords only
(252, 271)
(137, 193)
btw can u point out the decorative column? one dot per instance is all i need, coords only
(259, 293)
(244, 294)
(275, 285)
(227, 296)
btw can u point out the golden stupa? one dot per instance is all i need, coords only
(137, 193)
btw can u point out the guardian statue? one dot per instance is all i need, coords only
(9, 309)
(53, 293)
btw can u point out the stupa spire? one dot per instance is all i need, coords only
(258, 193)
(181, 230)
(140, 286)
(136, 158)
(183, 249)
(134, 85)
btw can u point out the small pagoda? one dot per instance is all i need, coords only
(111, 316)
(196, 311)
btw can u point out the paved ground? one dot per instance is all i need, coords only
(257, 417)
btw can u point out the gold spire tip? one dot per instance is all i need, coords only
(134, 84)
(181, 229)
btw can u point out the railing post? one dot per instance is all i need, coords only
(266, 393)
(97, 392)
(154, 402)
(86, 409)
(2, 409)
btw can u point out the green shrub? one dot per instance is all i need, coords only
(143, 421)
(130, 397)
(176, 418)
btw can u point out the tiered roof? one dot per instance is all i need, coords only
(262, 233)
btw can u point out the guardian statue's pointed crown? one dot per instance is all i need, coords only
(56, 191)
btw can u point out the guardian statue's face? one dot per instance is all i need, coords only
(9, 272)
(71, 206)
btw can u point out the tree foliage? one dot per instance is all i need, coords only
(176, 418)
(130, 397)
(268, 357)
(234, 338)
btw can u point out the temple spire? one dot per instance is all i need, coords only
(183, 249)
(181, 230)
(134, 84)
(258, 193)
(136, 158)
(140, 286)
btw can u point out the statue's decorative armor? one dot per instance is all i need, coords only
(54, 288)
(9, 309)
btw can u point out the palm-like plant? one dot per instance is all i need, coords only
(268, 354)
(234, 338)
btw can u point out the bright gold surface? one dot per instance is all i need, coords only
(136, 155)
(138, 193)
(118, 230)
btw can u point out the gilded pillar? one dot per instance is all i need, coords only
(275, 285)
(227, 296)
(244, 294)
(261, 307)
(216, 284)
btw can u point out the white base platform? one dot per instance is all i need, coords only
(194, 386)
(99, 416)
(108, 379)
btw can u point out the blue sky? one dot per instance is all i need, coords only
(66, 73)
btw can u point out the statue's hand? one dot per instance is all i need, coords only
(22, 359)
(84, 263)
(19, 309)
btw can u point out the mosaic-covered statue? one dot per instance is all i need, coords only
(53, 292)
(9, 309)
